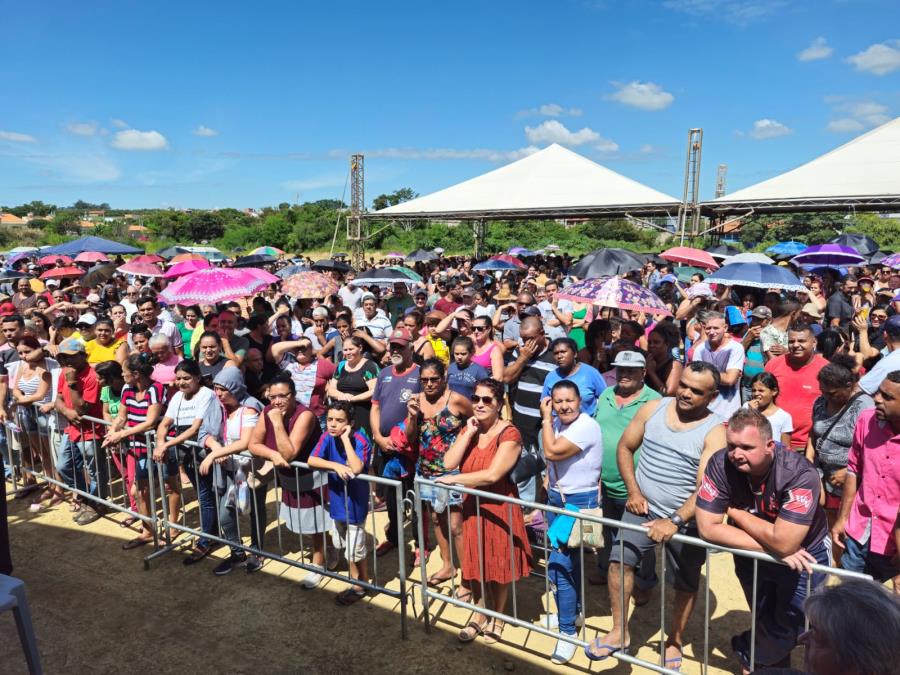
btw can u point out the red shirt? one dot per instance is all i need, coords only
(799, 389)
(447, 306)
(89, 387)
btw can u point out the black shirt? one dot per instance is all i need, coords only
(839, 307)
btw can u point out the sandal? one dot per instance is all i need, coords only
(349, 596)
(463, 594)
(674, 663)
(471, 631)
(435, 580)
(134, 543)
(197, 554)
(595, 644)
(492, 636)
(129, 521)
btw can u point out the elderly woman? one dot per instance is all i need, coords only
(166, 360)
(310, 374)
(834, 416)
(495, 545)
(574, 453)
(321, 331)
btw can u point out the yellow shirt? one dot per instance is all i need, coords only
(97, 353)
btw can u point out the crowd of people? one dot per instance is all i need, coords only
(757, 419)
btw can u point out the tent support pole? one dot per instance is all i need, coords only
(478, 230)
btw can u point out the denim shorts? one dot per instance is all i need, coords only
(33, 422)
(429, 493)
(142, 467)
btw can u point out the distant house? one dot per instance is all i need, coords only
(96, 213)
(86, 224)
(11, 219)
(137, 230)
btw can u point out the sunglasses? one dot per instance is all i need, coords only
(880, 317)
(426, 380)
(486, 400)
(479, 329)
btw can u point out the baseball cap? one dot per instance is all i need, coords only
(421, 291)
(71, 346)
(86, 319)
(811, 309)
(367, 296)
(51, 282)
(531, 311)
(734, 316)
(761, 312)
(401, 336)
(7, 309)
(630, 360)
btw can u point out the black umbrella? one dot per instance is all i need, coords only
(9, 275)
(171, 251)
(723, 251)
(866, 246)
(605, 262)
(384, 277)
(255, 260)
(878, 256)
(291, 270)
(99, 274)
(330, 264)
(421, 255)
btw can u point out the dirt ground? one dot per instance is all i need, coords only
(97, 610)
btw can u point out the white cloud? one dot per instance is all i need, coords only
(606, 145)
(857, 116)
(203, 130)
(448, 153)
(878, 59)
(119, 124)
(845, 125)
(643, 95)
(818, 49)
(16, 137)
(550, 110)
(82, 128)
(132, 139)
(739, 12)
(552, 131)
(766, 128)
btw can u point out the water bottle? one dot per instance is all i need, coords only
(441, 499)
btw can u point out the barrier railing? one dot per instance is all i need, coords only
(579, 640)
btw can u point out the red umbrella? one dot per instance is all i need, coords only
(141, 269)
(512, 260)
(60, 272)
(48, 260)
(148, 258)
(690, 256)
(91, 257)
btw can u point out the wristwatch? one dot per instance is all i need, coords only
(678, 520)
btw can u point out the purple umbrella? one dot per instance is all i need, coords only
(829, 255)
(615, 292)
(892, 261)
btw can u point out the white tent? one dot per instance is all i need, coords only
(551, 183)
(862, 174)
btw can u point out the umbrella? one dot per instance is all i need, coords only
(60, 272)
(615, 292)
(505, 257)
(48, 260)
(829, 255)
(291, 270)
(748, 258)
(141, 269)
(864, 245)
(723, 251)
(91, 257)
(309, 285)
(186, 267)
(331, 264)
(877, 257)
(255, 260)
(520, 251)
(756, 275)
(892, 261)
(16, 257)
(421, 255)
(384, 277)
(492, 265)
(171, 251)
(148, 258)
(685, 272)
(98, 274)
(690, 256)
(9, 275)
(408, 272)
(182, 257)
(24, 249)
(262, 275)
(606, 262)
(786, 248)
(267, 250)
(92, 243)
(212, 285)
(395, 255)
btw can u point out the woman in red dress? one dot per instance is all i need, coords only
(485, 451)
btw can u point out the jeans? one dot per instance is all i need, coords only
(858, 558)
(645, 574)
(4, 454)
(393, 531)
(205, 494)
(228, 515)
(780, 593)
(528, 489)
(71, 459)
(564, 567)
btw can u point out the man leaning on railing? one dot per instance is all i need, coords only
(771, 497)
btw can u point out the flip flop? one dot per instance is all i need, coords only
(466, 596)
(596, 644)
(349, 596)
(129, 521)
(434, 579)
(675, 662)
(134, 543)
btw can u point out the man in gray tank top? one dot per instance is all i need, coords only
(675, 436)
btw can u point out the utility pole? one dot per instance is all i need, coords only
(356, 235)
(691, 198)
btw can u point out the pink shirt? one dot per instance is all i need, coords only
(875, 461)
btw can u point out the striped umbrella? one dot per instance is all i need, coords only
(829, 255)
(211, 286)
(505, 257)
(309, 285)
(267, 250)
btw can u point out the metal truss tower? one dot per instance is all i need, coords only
(690, 205)
(356, 230)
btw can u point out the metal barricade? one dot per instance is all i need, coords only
(580, 638)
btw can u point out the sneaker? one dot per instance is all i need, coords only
(563, 652)
(551, 621)
(253, 564)
(311, 580)
(87, 516)
(227, 565)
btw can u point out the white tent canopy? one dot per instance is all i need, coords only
(862, 174)
(551, 183)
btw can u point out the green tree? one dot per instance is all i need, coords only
(205, 226)
(397, 197)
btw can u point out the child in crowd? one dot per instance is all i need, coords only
(346, 452)
(764, 388)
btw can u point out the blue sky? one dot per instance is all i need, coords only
(205, 104)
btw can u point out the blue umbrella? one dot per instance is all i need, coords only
(787, 248)
(495, 266)
(756, 275)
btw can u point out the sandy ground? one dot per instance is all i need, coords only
(97, 610)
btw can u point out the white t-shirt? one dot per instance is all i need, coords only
(184, 411)
(351, 296)
(729, 356)
(581, 471)
(485, 311)
(781, 421)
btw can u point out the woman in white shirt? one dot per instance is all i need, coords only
(574, 454)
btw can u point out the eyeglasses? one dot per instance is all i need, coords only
(479, 329)
(476, 399)
(879, 317)
(426, 380)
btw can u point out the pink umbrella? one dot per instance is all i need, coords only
(690, 256)
(262, 275)
(505, 257)
(141, 269)
(148, 258)
(212, 285)
(48, 260)
(91, 257)
(186, 267)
